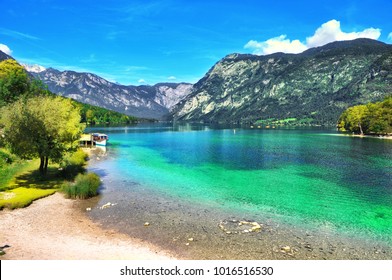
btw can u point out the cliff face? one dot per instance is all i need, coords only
(314, 86)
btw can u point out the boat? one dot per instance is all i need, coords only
(100, 139)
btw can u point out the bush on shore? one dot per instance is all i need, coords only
(85, 186)
(73, 164)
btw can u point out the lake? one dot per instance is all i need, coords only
(316, 191)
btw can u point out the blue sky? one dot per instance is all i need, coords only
(146, 42)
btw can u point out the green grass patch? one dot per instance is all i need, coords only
(32, 178)
(85, 186)
(306, 120)
(10, 171)
(287, 120)
(22, 197)
(266, 121)
(273, 121)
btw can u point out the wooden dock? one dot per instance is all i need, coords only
(86, 141)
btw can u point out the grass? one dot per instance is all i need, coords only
(21, 183)
(85, 186)
(22, 197)
(287, 121)
(8, 172)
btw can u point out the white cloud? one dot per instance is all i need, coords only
(326, 33)
(5, 49)
(171, 78)
(331, 31)
(141, 81)
(390, 36)
(277, 44)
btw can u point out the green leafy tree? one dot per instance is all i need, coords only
(379, 117)
(14, 82)
(44, 126)
(89, 116)
(353, 119)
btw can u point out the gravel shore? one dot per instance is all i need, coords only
(53, 228)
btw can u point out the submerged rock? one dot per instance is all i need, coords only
(234, 226)
(107, 205)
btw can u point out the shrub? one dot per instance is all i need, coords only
(6, 157)
(85, 186)
(73, 164)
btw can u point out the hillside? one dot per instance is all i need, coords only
(313, 87)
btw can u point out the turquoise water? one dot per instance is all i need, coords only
(313, 178)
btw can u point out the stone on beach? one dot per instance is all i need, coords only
(286, 249)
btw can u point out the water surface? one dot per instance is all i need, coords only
(310, 179)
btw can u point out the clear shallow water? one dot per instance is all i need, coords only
(310, 178)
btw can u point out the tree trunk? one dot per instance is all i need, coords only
(41, 165)
(360, 128)
(46, 165)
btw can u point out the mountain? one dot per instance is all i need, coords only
(140, 101)
(4, 56)
(314, 87)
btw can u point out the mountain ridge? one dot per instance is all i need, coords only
(316, 85)
(141, 101)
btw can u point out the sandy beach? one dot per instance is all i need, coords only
(54, 229)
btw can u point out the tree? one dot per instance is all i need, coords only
(89, 116)
(14, 82)
(352, 119)
(46, 127)
(379, 117)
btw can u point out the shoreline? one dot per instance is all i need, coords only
(381, 137)
(53, 228)
(215, 234)
(56, 228)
